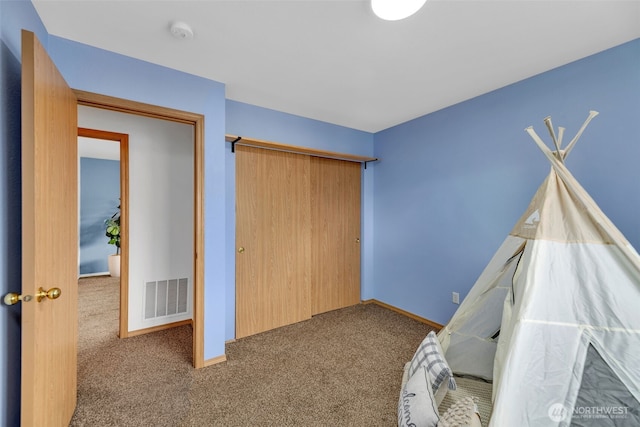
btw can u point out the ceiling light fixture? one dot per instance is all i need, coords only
(394, 10)
(180, 30)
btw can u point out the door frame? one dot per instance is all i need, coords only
(123, 140)
(95, 100)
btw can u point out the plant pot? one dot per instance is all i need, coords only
(114, 265)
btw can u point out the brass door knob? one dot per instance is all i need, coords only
(13, 298)
(52, 293)
(240, 250)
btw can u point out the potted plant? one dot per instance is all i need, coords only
(112, 231)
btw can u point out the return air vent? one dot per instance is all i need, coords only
(165, 298)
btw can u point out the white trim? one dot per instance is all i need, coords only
(104, 273)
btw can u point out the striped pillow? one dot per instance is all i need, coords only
(430, 355)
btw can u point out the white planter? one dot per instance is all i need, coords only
(114, 265)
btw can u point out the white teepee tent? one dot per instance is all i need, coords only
(554, 319)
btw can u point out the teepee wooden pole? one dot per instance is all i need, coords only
(560, 135)
(547, 121)
(592, 114)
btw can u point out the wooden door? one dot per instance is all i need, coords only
(335, 210)
(272, 238)
(49, 240)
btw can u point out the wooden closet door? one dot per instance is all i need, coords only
(335, 239)
(273, 239)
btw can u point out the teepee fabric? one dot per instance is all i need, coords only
(562, 291)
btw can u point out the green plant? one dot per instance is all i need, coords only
(113, 230)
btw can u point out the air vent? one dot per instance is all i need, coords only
(164, 298)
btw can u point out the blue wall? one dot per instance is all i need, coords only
(452, 184)
(99, 200)
(269, 125)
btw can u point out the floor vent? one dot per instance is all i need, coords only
(165, 298)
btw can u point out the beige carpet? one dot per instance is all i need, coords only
(137, 381)
(341, 368)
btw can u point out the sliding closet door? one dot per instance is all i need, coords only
(273, 239)
(335, 239)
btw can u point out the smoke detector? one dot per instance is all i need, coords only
(180, 30)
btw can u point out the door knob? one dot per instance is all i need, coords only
(52, 293)
(13, 298)
(240, 250)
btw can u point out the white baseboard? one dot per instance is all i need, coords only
(105, 273)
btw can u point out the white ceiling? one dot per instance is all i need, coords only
(335, 61)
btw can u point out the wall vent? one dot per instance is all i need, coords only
(165, 298)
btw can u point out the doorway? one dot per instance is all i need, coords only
(196, 123)
(97, 150)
